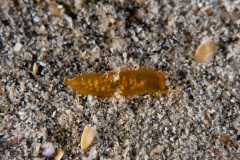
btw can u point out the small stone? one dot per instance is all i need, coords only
(42, 29)
(205, 122)
(79, 3)
(118, 45)
(125, 55)
(56, 9)
(18, 46)
(48, 149)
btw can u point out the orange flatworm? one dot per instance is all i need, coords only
(126, 82)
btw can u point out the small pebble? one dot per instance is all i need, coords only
(56, 9)
(48, 149)
(18, 46)
(205, 122)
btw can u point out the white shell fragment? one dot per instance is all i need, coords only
(205, 51)
(59, 155)
(87, 137)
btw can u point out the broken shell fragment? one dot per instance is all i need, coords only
(205, 51)
(87, 137)
(59, 155)
(158, 149)
(56, 9)
(35, 69)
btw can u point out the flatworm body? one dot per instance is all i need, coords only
(127, 82)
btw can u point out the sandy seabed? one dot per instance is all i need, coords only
(43, 44)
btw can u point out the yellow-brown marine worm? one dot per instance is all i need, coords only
(126, 82)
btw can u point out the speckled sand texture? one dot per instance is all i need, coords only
(44, 44)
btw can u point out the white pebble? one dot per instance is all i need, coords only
(36, 19)
(48, 151)
(18, 46)
(68, 111)
(230, 78)
(125, 55)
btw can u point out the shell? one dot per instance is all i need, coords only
(87, 137)
(55, 9)
(205, 51)
(126, 82)
(35, 69)
(158, 149)
(59, 155)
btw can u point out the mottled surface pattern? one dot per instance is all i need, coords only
(199, 118)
